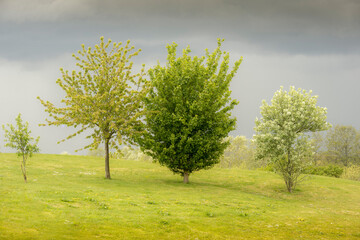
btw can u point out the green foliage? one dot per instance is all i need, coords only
(340, 146)
(329, 170)
(352, 172)
(343, 145)
(239, 153)
(104, 96)
(317, 144)
(281, 132)
(268, 167)
(188, 110)
(18, 137)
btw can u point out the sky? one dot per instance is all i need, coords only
(309, 44)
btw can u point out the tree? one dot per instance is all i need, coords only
(19, 138)
(343, 144)
(104, 96)
(238, 154)
(188, 111)
(317, 143)
(281, 133)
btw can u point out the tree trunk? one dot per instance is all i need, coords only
(186, 177)
(23, 168)
(346, 157)
(289, 185)
(289, 181)
(107, 162)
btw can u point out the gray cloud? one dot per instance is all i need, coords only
(298, 27)
(21, 11)
(309, 44)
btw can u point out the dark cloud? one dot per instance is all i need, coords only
(298, 27)
(22, 11)
(310, 44)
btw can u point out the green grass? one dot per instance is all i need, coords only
(67, 197)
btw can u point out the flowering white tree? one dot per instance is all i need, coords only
(281, 132)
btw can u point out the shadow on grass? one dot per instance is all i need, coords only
(271, 190)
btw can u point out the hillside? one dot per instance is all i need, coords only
(67, 197)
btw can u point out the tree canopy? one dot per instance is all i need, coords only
(104, 96)
(343, 144)
(188, 110)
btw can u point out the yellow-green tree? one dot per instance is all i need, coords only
(18, 137)
(103, 96)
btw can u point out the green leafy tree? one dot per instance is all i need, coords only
(281, 133)
(18, 137)
(188, 110)
(343, 144)
(104, 96)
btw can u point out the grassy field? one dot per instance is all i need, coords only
(67, 197)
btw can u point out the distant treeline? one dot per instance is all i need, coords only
(339, 146)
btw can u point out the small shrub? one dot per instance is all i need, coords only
(164, 222)
(352, 173)
(243, 214)
(330, 170)
(103, 206)
(210, 214)
(269, 168)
